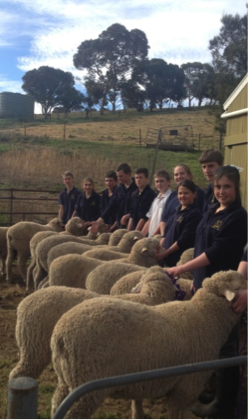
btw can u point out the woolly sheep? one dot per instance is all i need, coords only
(3, 248)
(48, 243)
(116, 236)
(38, 314)
(137, 338)
(77, 227)
(18, 239)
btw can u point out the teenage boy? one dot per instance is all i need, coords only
(162, 184)
(142, 199)
(210, 160)
(120, 202)
(68, 197)
(111, 184)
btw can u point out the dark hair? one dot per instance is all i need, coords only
(111, 174)
(163, 174)
(232, 173)
(211, 155)
(187, 183)
(142, 171)
(185, 167)
(124, 167)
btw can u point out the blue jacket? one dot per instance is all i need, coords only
(105, 199)
(222, 236)
(181, 228)
(119, 203)
(88, 208)
(173, 202)
(141, 203)
(68, 201)
(209, 197)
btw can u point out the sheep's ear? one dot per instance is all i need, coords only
(229, 295)
(79, 225)
(144, 249)
(135, 238)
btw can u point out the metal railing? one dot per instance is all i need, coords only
(144, 376)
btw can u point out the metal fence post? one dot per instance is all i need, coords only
(22, 398)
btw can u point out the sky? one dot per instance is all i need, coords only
(35, 33)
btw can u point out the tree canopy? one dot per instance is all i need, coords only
(111, 57)
(48, 86)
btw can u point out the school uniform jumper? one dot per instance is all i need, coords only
(222, 236)
(173, 202)
(88, 208)
(119, 203)
(209, 197)
(68, 201)
(141, 202)
(105, 199)
(181, 228)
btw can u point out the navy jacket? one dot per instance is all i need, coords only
(68, 201)
(222, 236)
(172, 202)
(181, 228)
(209, 197)
(119, 203)
(141, 203)
(88, 208)
(105, 199)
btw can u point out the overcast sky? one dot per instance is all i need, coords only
(35, 33)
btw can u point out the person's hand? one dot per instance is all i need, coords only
(175, 271)
(161, 256)
(240, 302)
(94, 226)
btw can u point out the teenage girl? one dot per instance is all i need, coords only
(88, 202)
(181, 227)
(220, 239)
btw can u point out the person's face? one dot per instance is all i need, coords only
(140, 180)
(68, 181)
(110, 183)
(180, 174)
(185, 196)
(224, 191)
(161, 184)
(88, 187)
(123, 178)
(209, 169)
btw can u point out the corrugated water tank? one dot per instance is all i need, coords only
(16, 105)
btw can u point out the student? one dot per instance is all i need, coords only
(111, 183)
(120, 202)
(162, 185)
(210, 160)
(142, 199)
(181, 172)
(220, 239)
(181, 227)
(68, 197)
(88, 203)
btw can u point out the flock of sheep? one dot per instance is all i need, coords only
(102, 306)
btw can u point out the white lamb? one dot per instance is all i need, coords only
(38, 313)
(137, 338)
(18, 239)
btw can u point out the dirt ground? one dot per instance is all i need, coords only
(10, 297)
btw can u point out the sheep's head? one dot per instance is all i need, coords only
(132, 237)
(76, 226)
(155, 281)
(103, 238)
(148, 247)
(57, 224)
(225, 283)
(116, 236)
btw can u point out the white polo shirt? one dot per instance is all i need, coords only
(155, 211)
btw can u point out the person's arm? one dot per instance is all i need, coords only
(198, 262)
(140, 224)
(173, 248)
(61, 212)
(242, 268)
(130, 223)
(145, 228)
(124, 219)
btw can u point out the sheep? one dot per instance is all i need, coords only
(3, 248)
(73, 270)
(78, 227)
(116, 236)
(18, 239)
(38, 313)
(137, 338)
(48, 243)
(128, 282)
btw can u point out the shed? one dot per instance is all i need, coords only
(235, 141)
(16, 105)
